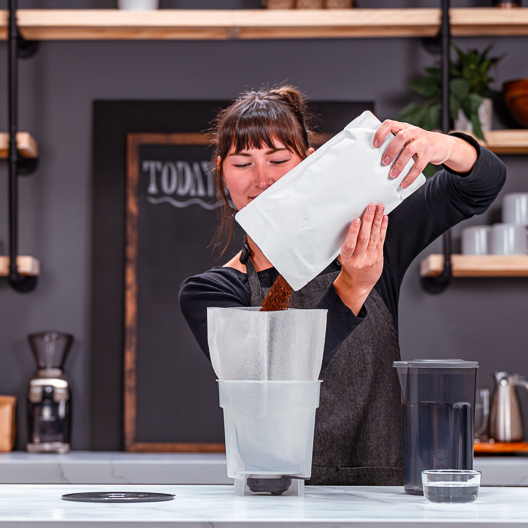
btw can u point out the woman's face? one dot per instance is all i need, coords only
(250, 172)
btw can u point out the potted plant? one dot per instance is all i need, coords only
(469, 92)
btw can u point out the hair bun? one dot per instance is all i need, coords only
(293, 96)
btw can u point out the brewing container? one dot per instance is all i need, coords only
(438, 399)
(269, 430)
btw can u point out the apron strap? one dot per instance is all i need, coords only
(254, 283)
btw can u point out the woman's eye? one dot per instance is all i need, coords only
(279, 162)
(241, 165)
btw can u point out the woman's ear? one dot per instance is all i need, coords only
(311, 150)
(218, 159)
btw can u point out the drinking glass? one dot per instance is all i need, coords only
(482, 407)
(451, 485)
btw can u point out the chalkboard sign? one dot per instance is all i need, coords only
(171, 217)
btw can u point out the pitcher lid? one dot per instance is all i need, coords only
(436, 363)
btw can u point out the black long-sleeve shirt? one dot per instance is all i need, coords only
(442, 202)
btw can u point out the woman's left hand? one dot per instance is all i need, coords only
(361, 257)
(424, 147)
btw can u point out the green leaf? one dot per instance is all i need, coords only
(454, 106)
(435, 73)
(412, 113)
(475, 121)
(459, 88)
(420, 119)
(430, 170)
(434, 116)
(475, 101)
(426, 86)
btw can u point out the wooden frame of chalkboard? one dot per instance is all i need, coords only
(134, 141)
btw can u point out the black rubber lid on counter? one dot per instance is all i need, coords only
(117, 496)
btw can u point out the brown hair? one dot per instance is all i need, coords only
(254, 120)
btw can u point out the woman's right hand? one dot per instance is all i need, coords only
(361, 257)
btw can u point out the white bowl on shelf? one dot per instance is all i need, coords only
(138, 5)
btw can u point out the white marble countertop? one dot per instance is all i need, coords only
(32, 506)
(94, 467)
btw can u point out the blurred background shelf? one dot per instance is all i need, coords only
(26, 266)
(501, 447)
(477, 266)
(27, 146)
(113, 24)
(506, 141)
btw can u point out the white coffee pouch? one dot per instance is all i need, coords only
(301, 221)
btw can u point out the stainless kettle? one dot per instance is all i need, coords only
(505, 416)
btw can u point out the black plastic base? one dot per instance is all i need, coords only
(275, 486)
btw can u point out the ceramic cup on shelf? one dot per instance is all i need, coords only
(508, 239)
(138, 5)
(515, 209)
(476, 240)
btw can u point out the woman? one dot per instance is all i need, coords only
(259, 138)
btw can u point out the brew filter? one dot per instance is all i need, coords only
(247, 344)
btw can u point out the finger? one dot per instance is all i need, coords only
(383, 232)
(402, 141)
(388, 126)
(418, 167)
(366, 227)
(349, 245)
(376, 228)
(415, 150)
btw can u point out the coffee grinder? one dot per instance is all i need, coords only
(49, 398)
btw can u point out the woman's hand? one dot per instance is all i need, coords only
(424, 147)
(361, 257)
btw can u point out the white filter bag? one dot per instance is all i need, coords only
(301, 221)
(247, 344)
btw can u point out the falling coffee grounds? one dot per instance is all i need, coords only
(279, 296)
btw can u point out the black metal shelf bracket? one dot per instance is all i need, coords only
(17, 47)
(439, 283)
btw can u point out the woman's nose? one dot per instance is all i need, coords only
(263, 177)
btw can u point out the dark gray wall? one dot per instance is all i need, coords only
(481, 319)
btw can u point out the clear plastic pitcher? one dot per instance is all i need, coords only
(269, 426)
(438, 416)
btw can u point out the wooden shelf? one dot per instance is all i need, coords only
(505, 141)
(27, 146)
(501, 447)
(203, 24)
(26, 266)
(477, 266)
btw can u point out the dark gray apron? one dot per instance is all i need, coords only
(358, 429)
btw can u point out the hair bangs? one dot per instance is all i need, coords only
(260, 129)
